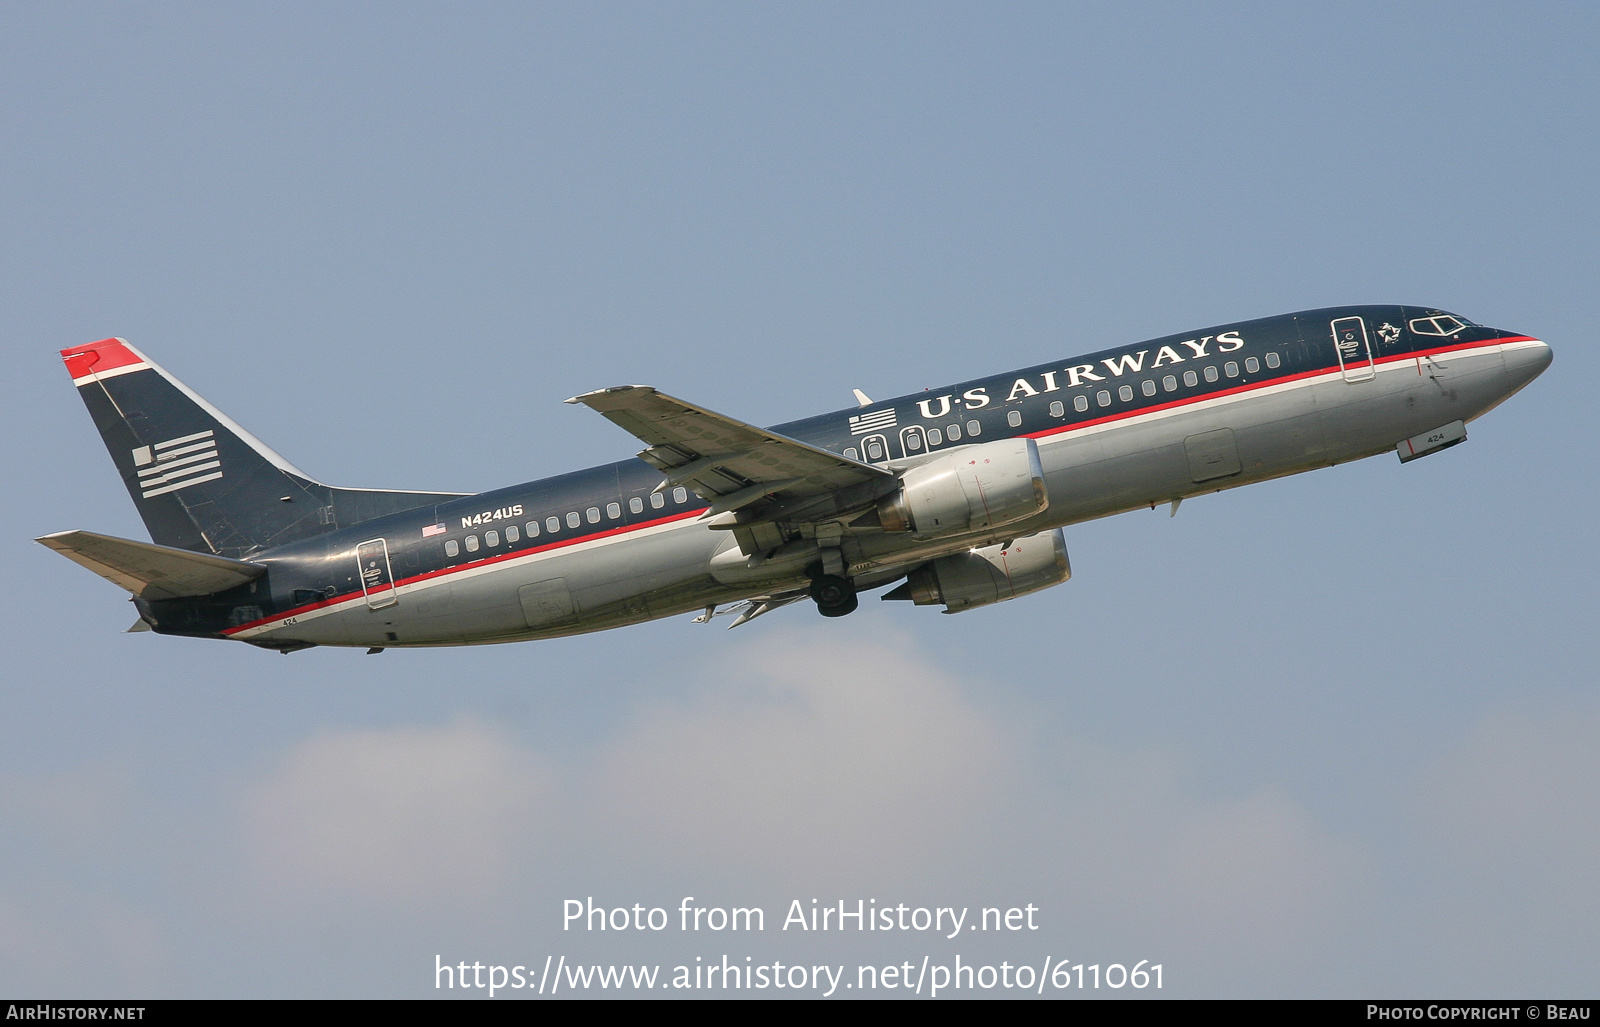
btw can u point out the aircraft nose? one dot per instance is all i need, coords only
(1525, 359)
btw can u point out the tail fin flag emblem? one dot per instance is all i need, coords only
(177, 463)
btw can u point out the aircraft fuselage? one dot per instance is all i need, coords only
(1116, 430)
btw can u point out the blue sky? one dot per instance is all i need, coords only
(1331, 735)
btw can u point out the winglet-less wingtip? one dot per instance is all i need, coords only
(586, 396)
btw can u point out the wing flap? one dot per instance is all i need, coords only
(150, 571)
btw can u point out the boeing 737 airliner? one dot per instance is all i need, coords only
(959, 494)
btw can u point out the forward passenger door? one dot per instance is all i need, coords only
(1350, 341)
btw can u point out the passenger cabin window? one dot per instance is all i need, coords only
(1103, 398)
(472, 543)
(1251, 365)
(1169, 383)
(491, 539)
(680, 495)
(512, 534)
(1014, 418)
(1125, 393)
(1444, 324)
(573, 520)
(636, 505)
(954, 431)
(613, 510)
(533, 529)
(1148, 388)
(935, 436)
(974, 428)
(1211, 373)
(1273, 360)
(1231, 369)
(657, 501)
(451, 548)
(1056, 409)
(553, 524)
(593, 513)
(911, 440)
(852, 454)
(1080, 403)
(1191, 379)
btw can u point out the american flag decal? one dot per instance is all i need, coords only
(878, 420)
(177, 463)
(433, 529)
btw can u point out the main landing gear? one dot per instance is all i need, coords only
(835, 595)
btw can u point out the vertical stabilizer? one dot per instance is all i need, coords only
(199, 480)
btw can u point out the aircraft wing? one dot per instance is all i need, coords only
(726, 462)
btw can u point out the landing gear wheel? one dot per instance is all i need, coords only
(835, 596)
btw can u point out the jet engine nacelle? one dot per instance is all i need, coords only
(971, 489)
(992, 574)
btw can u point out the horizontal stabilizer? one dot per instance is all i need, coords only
(150, 571)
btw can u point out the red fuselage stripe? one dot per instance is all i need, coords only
(1078, 426)
(457, 568)
(1252, 386)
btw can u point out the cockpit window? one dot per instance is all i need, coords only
(1442, 324)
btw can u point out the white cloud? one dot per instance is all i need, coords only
(395, 814)
(809, 759)
(806, 752)
(1129, 857)
(806, 761)
(1255, 872)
